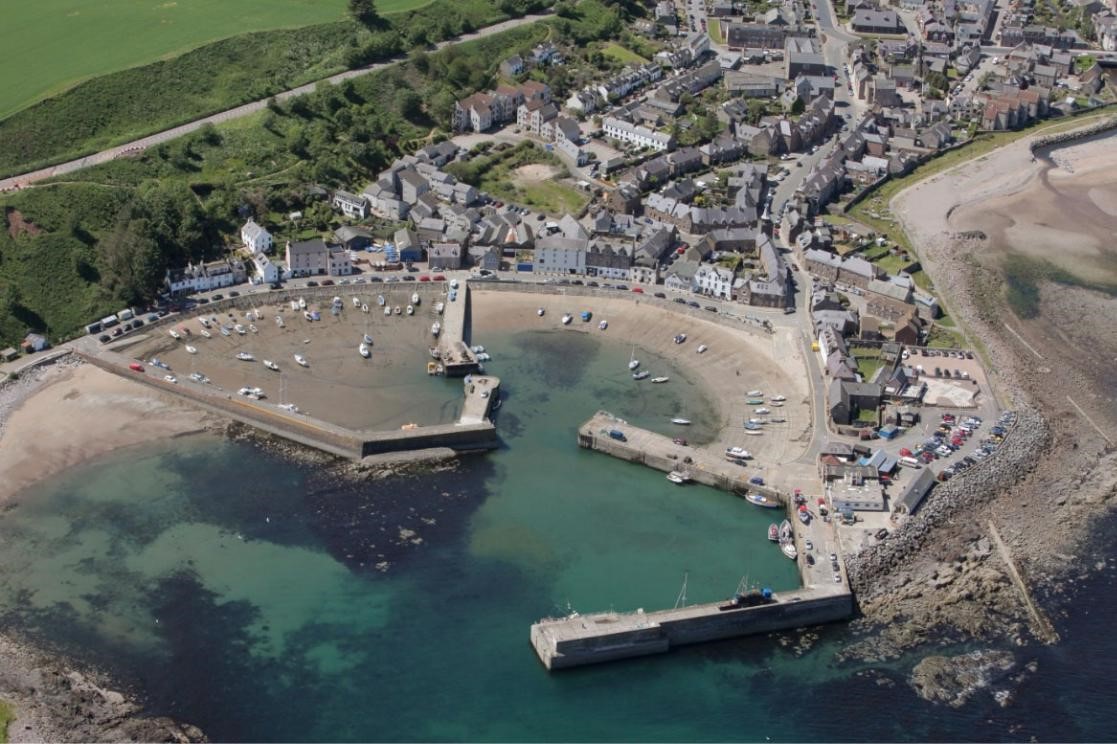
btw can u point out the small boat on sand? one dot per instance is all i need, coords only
(396, 310)
(778, 398)
(363, 349)
(660, 380)
(279, 320)
(387, 310)
(603, 325)
(244, 356)
(301, 360)
(364, 308)
(702, 348)
(271, 365)
(755, 393)
(410, 309)
(225, 331)
(239, 329)
(190, 349)
(175, 334)
(540, 312)
(642, 374)
(415, 298)
(356, 302)
(367, 339)
(737, 453)
(380, 300)
(440, 307)
(436, 328)
(207, 334)
(566, 318)
(789, 550)
(681, 421)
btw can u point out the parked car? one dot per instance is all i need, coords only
(234, 293)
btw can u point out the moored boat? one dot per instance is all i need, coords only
(702, 348)
(755, 401)
(566, 318)
(363, 349)
(436, 328)
(678, 477)
(761, 500)
(367, 339)
(271, 365)
(302, 304)
(660, 380)
(773, 532)
(279, 320)
(396, 310)
(439, 307)
(680, 338)
(603, 325)
(307, 315)
(778, 398)
(175, 334)
(207, 334)
(364, 308)
(762, 411)
(301, 360)
(244, 356)
(681, 421)
(190, 349)
(387, 309)
(356, 301)
(540, 312)
(380, 300)
(789, 550)
(239, 329)
(641, 375)
(415, 298)
(755, 393)
(410, 309)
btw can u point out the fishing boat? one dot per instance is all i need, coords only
(302, 304)
(244, 356)
(737, 453)
(387, 310)
(415, 298)
(789, 550)
(380, 300)
(410, 309)
(239, 329)
(301, 360)
(778, 398)
(271, 365)
(540, 312)
(660, 380)
(762, 411)
(566, 318)
(396, 310)
(641, 374)
(279, 320)
(436, 328)
(773, 532)
(678, 477)
(702, 348)
(175, 334)
(603, 325)
(171, 379)
(755, 393)
(440, 307)
(760, 500)
(681, 421)
(207, 334)
(190, 349)
(363, 349)
(356, 302)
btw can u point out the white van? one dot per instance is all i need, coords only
(910, 462)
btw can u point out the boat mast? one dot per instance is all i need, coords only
(680, 601)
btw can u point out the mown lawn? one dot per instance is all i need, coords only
(621, 54)
(47, 46)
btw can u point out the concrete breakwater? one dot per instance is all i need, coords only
(1054, 140)
(1014, 459)
(608, 636)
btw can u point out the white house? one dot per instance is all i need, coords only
(352, 205)
(715, 281)
(556, 254)
(202, 277)
(255, 238)
(266, 271)
(637, 135)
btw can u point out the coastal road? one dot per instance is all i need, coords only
(247, 109)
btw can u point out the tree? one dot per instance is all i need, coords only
(364, 12)
(798, 107)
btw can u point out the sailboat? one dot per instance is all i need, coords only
(642, 374)
(363, 348)
(633, 362)
(680, 421)
(660, 380)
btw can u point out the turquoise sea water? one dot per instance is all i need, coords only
(267, 601)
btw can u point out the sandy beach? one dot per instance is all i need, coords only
(66, 414)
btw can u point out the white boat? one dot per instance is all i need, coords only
(253, 393)
(291, 407)
(642, 374)
(738, 453)
(410, 309)
(760, 500)
(789, 550)
(633, 362)
(239, 329)
(603, 325)
(540, 312)
(680, 338)
(762, 411)
(778, 398)
(681, 421)
(440, 307)
(478, 349)
(225, 331)
(484, 357)
(367, 339)
(175, 334)
(336, 301)
(436, 328)
(271, 365)
(678, 477)
(307, 315)
(301, 360)
(244, 356)
(387, 310)
(414, 298)
(566, 318)
(363, 348)
(356, 302)
(302, 304)
(253, 328)
(660, 380)
(190, 349)
(453, 284)
(364, 308)
(171, 379)
(755, 393)
(380, 300)
(702, 348)
(396, 310)
(207, 334)
(777, 404)
(199, 378)
(204, 322)
(279, 320)
(754, 432)
(294, 305)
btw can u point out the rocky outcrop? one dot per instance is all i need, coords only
(954, 680)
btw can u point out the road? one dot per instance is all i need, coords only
(240, 111)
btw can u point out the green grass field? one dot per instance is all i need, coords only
(48, 46)
(622, 55)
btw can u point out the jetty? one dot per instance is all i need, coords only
(458, 360)
(661, 452)
(579, 640)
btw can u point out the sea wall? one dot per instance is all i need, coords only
(1015, 458)
(1054, 140)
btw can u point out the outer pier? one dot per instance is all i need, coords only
(609, 636)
